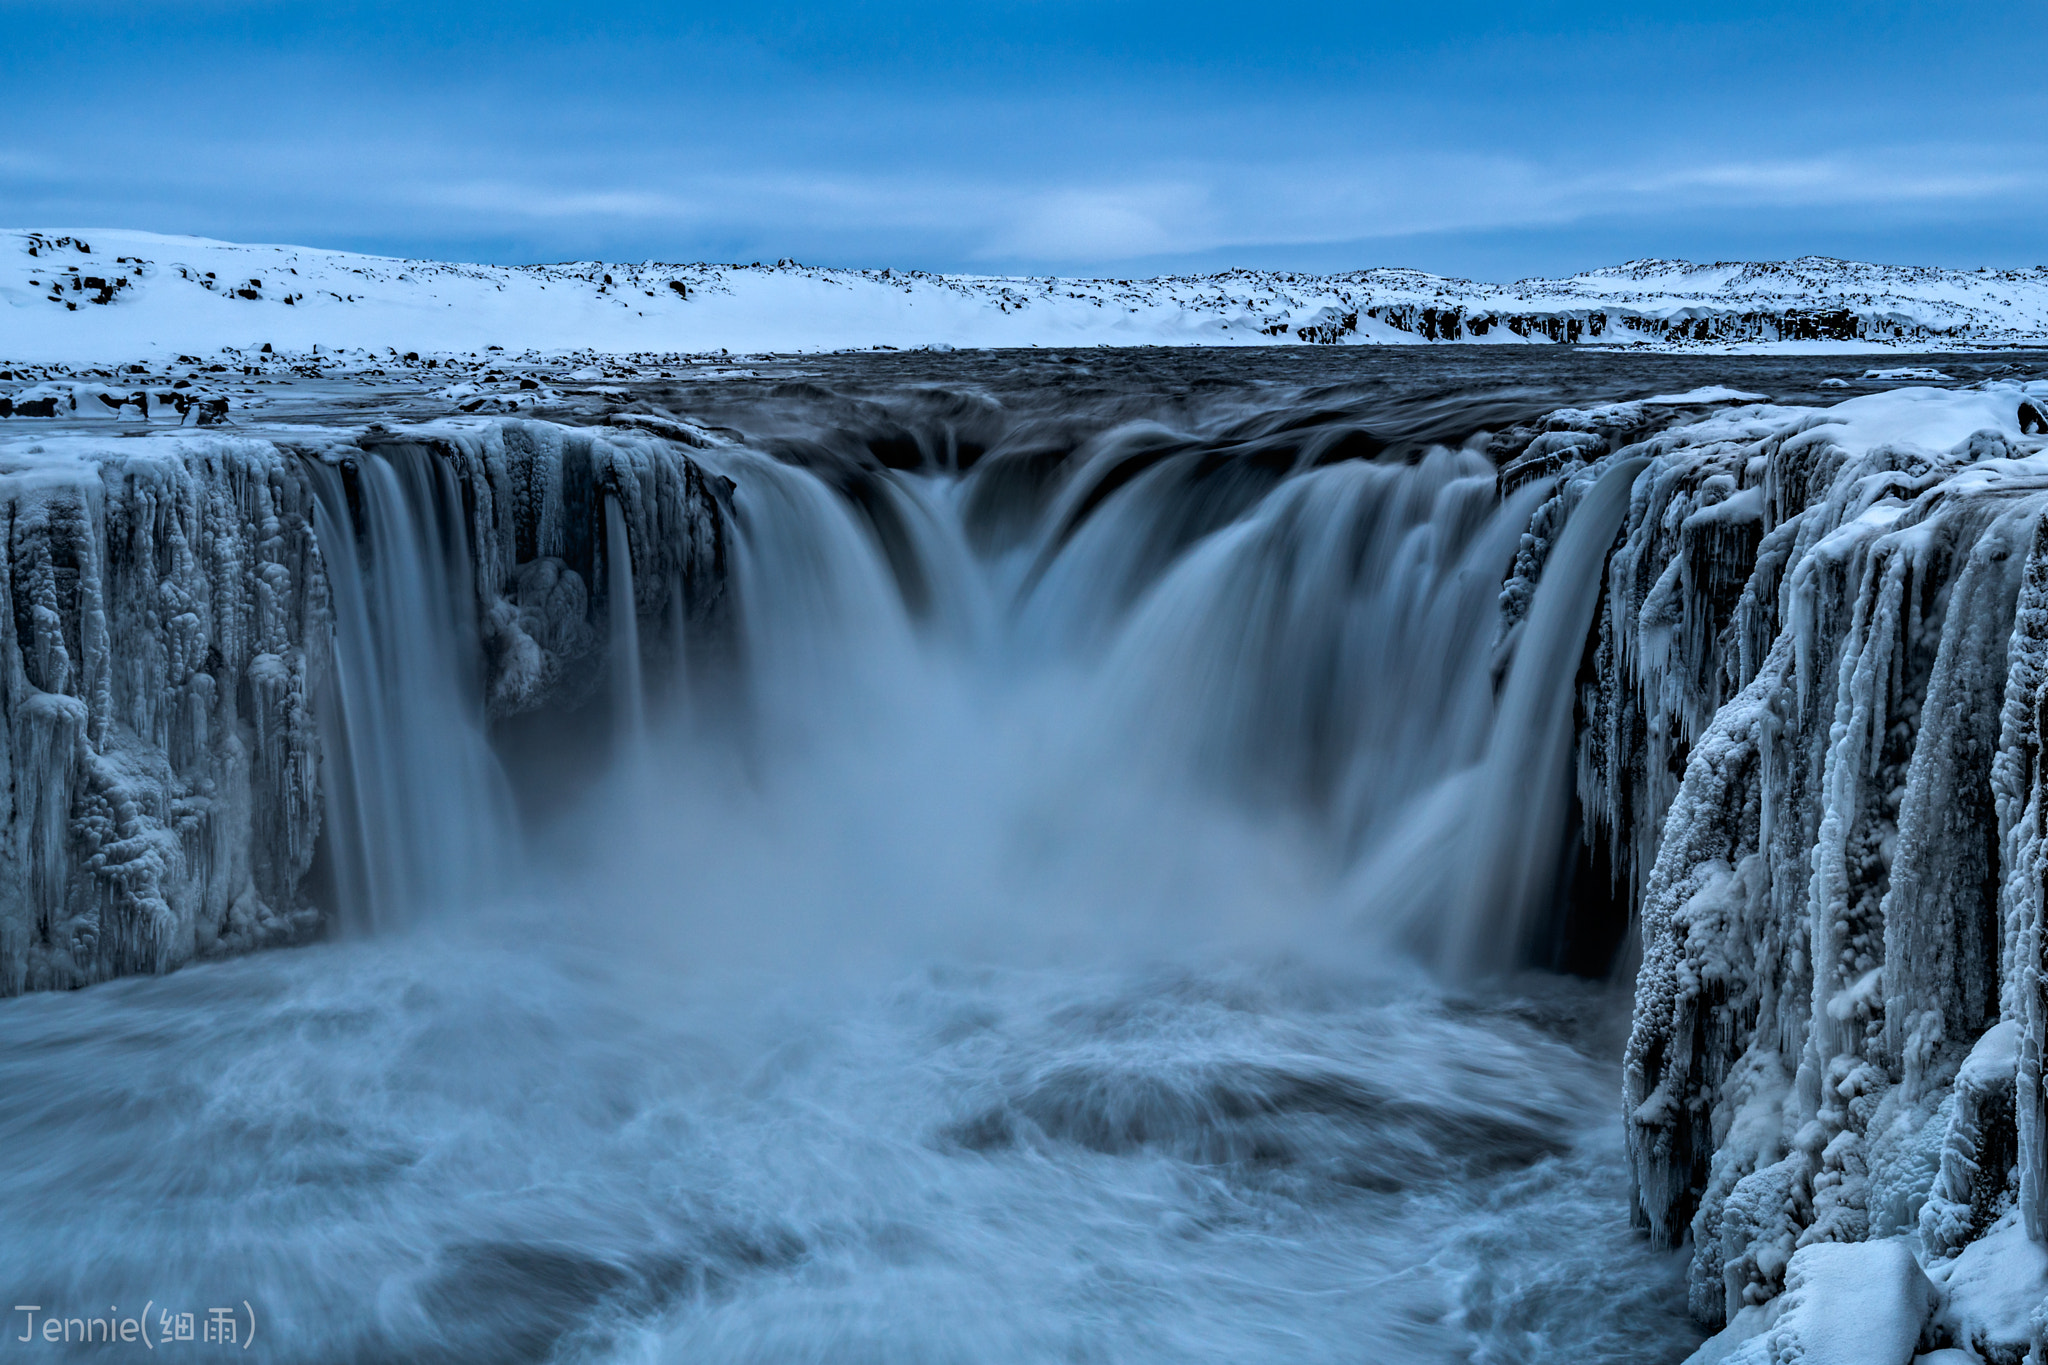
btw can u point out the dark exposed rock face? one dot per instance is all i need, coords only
(1692, 325)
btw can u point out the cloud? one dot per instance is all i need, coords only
(1005, 210)
(545, 201)
(1093, 224)
(1876, 176)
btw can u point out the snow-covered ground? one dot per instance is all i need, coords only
(99, 296)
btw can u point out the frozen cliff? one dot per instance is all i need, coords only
(198, 752)
(1811, 728)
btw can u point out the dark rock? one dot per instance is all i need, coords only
(1328, 333)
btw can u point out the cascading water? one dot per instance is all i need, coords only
(629, 693)
(420, 818)
(1007, 953)
(1522, 784)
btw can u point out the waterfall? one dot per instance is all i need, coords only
(1156, 630)
(911, 866)
(629, 701)
(1525, 782)
(1313, 646)
(944, 824)
(419, 813)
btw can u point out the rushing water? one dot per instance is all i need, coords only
(1066, 914)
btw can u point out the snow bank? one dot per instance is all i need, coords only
(1994, 1292)
(1844, 1304)
(88, 296)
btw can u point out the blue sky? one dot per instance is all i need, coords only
(1488, 140)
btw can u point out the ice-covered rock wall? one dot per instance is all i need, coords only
(156, 737)
(1811, 728)
(531, 498)
(170, 742)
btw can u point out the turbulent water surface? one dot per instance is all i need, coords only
(1059, 914)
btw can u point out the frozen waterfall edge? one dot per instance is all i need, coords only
(1812, 735)
(170, 682)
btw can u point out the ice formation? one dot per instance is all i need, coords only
(1845, 1303)
(208, 636)
(160, 744)
(1812, 732)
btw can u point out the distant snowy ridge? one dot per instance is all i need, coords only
(99, 296)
